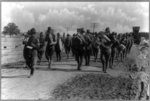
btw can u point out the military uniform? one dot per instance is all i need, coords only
(81, 36)
(25, 40)
(68, 44)
(88, 48)
(41, 47)
(50, 48)
(31, 50)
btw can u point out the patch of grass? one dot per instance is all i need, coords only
(97, 87)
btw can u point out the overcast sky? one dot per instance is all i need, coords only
(119, 16)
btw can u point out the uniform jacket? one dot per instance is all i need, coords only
(33, 42)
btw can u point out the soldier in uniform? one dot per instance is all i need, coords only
(63, 38)
(78, 47)
(107, 31)
(50, 45)
(68, 45)
(88, 47)
(31, 48)
(58, 47)
(41, 46)
(80, 35)
(105, 49)
(25, 40)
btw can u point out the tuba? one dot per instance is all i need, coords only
(136, 35)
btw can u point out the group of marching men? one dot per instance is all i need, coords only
(83, 44)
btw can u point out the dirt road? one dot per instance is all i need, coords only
(16, 85)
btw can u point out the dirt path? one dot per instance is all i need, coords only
(16, 85)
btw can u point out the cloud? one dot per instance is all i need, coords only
(89, 8)
(121, 28)
(26, 19)
(63, 17)
(6, 12)
(42, 17)
(119, 16)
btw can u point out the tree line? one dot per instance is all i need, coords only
(12, 29)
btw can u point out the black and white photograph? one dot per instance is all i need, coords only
(75, 51)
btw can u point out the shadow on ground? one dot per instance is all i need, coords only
(66, 70)
(16, 76)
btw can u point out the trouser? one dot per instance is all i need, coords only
(40, 54)
(58, 56)
(32, 60)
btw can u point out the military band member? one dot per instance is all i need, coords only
(31, 51)
(80, 34)
(41, 46)
(50, 45)
(58, 47)
(25, 40)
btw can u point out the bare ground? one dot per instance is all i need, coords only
(15, 83)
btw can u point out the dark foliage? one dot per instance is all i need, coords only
(11, 29)
(97, 87)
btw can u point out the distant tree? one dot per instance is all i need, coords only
(11, 29)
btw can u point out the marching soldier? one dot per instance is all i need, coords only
(80, 32)
(41, 46)
(31, 51)
(25, 40)
(58, 47)
(50, 45)
(68, 45)
(107, 31)
(88, 47)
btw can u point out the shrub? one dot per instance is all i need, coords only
(97, 87)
